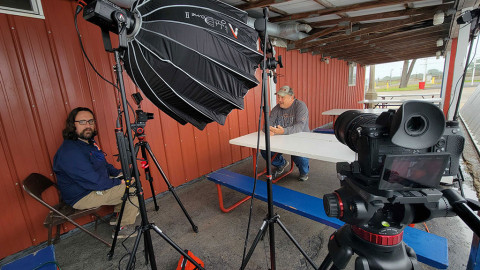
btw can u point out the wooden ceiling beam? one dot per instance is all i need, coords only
(388, 26)
(373, 39)
(392, 56)
(260, 4)
(385, 42)
(317, 35)
(385, 15)
(336, 10)
(424, 45)
(390, 59)
(278, 11)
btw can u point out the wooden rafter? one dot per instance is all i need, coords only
(317, 35)
(388, 26)
(425, 42)
(436, 31)
(336, 10)
(260, 4)
(393, 54)
(385, 15)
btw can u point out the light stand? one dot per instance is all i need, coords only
(145, 227)
(271, 218)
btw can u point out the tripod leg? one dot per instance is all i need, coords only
(117, 227)
(170, 187)
(175, 246)
(261, 233)
(295, 242)
(135, 246)
(146, 168)
(326, 262)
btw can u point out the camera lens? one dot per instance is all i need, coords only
(416, 125)
(347, 125)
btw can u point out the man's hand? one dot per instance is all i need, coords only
(278, 130)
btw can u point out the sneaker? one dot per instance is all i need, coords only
(113, 219)
(303, 177)
(281, 169)
(126, 232)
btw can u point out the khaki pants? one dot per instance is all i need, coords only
(112, 196)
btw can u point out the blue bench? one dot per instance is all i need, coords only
(324, 130)
(431, 249)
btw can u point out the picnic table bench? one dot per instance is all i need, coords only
(431, 249)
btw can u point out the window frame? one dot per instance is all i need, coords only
(37, 11)
(352, 74)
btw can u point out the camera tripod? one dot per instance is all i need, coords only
(373, 254)
(144, 147)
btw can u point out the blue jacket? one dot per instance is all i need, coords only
(82, 168)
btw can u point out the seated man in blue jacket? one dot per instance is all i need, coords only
(84, 177)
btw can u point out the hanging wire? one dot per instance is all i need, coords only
(81, 4)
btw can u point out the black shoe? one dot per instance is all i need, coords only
(281, 169)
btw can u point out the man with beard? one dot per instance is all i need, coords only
(85, 178)
(289, 116)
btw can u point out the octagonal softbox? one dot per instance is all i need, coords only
(194, 59)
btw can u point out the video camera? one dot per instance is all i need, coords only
(402, 156)
(415, 129)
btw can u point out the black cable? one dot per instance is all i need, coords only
(77, 11)
(255, 171)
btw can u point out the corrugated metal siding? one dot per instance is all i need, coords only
(43, 75)
(320, 85)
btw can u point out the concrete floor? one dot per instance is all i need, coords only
(220, 240)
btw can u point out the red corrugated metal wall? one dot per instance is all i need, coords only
(43, 75)
(320, 85)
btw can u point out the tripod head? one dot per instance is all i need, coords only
(379, 212)
(141, 117)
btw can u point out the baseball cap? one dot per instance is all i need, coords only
(285, 90)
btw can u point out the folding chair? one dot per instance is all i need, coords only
(35, 184)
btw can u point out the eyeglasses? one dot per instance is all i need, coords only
(84, 122)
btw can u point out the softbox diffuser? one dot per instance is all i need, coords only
(194, 59)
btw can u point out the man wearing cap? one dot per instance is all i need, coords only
(289, 116)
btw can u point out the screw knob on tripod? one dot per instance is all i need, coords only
(333, 205)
